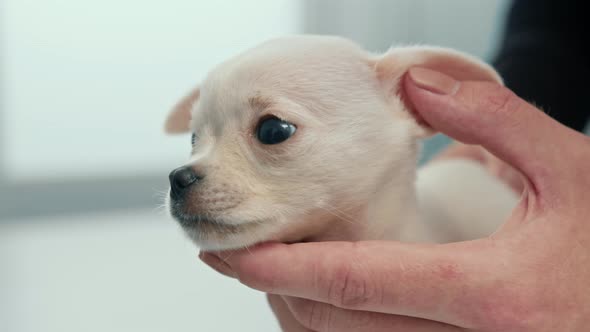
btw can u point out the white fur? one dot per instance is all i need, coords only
(349, 171)
(460, 200)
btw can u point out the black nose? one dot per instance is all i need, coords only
(181, 179)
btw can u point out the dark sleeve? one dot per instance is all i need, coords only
(544, 58)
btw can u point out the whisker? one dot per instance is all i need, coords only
(339, 210)
(339, 213)
(160, 195)
(339, 216)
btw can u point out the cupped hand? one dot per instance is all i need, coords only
(531, 275)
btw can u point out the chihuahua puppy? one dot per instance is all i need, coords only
(306, 138)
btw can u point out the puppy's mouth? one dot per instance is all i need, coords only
(206, 225)
(199, 221)
(224, 230)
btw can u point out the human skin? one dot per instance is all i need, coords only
(533, 274)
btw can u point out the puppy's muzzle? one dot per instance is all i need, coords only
(181, 180)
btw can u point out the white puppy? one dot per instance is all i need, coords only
(306, 138)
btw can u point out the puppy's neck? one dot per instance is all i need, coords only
(390, 214)
(393, 213)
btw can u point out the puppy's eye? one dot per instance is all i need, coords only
(274, 131)
(193, 139)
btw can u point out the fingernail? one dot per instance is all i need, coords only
(433, 81)
(217, 264)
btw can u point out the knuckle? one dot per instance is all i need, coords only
(312, 315)
(316, 317)
(349, 287)
(504, 108)
(319, 316)
(501, 101)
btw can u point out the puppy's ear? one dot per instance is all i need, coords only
(179, 118)
(391, 67)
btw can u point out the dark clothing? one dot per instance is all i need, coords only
(544, 58)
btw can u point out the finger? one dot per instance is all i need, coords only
(217, 264)
(388, 277)
(494, 117)
(287, 321)
(325, 317)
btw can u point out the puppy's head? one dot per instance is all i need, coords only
(297, 135)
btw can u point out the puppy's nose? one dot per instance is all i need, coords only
(181, 179)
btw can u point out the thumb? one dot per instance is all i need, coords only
(492, 116)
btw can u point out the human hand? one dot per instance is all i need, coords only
(532, 275)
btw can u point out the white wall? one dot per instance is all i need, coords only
(472, 26)
(86, 85)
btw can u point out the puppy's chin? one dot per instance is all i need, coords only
(216, 235)
(211, 234)
(239, 229)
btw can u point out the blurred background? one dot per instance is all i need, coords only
(84, 88)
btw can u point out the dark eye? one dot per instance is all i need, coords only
(193, 139)
(274, 131)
